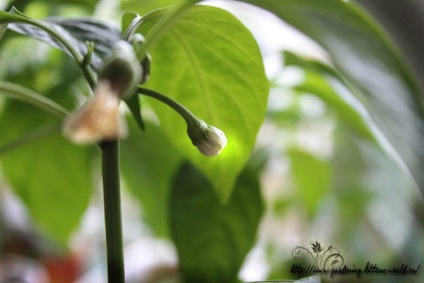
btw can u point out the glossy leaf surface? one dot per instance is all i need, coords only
(209, 62)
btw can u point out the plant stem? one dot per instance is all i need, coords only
(112, 208)
(183, 111)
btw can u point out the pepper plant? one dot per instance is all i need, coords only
(200, 71)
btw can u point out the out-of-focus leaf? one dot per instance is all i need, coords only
(362, 53)
(222, 82)
(51, 176)
(3, 28)
(149, 162)
(312, 177)
(31, 97)
(348, 108)
(76, 31)
(292, 59)
(212, 239)
(29, 137)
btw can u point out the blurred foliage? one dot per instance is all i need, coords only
(224, 233)
(330, 175)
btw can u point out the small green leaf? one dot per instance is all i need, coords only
(212, 239)
(149, 162)
(133, 104)
(51, 176)
(312, 177)
(222, 82)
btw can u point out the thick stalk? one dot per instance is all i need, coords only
(112, 208)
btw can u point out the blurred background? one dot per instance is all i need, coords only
(322, 180)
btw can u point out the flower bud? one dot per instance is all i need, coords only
(98, 119)
(209, 140)
(137, 41)
(121, 69)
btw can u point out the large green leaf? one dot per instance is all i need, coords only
(209, 62)
(149, 162)
(364, 55)
(212, 239)
(51, 176)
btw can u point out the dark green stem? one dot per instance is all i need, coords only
(112, 208)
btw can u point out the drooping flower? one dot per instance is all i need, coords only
(100, 118)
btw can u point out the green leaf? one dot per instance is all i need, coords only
(51, 176)
(3, 28)
(149, 162)
(77, 32)
(362, 53)
(133, 104)
(312, 177)
(18, 92)
(222, 82)
(212, 239)
(323, 81)
(29, 137)
(146, 6)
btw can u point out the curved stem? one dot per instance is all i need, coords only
(112, 208)
(183, 111)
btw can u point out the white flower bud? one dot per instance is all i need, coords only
(98, 119)
(214, 142)
(209, 140)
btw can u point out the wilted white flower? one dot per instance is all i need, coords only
(98, 119)
(209, 140)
